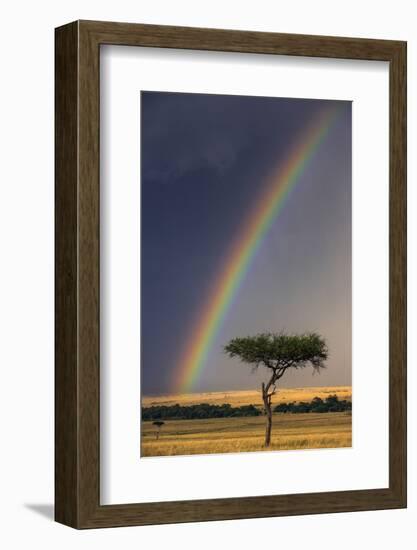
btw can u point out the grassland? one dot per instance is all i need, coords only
(249, 397)
(245, 434)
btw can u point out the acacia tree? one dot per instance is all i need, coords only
(158, 424)
(278, 353)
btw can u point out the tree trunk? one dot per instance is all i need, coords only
(268, 413)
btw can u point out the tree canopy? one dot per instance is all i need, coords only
(280, 351)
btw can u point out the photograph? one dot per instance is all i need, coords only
(246, 274)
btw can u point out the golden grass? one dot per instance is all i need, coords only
(245, 434)
(249, 397)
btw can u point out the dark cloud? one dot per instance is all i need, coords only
(204, 161)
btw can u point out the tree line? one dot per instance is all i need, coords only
(317, 405)
(191, 412)
(206, 410)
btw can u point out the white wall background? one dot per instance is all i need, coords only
(26, 271)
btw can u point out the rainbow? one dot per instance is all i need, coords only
(256, 226)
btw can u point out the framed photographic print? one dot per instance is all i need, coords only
(230, 274)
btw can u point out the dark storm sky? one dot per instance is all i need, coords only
(205, 162)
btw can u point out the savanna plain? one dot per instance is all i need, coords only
(290, 431)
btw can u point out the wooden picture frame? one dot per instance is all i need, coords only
(77, 382)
